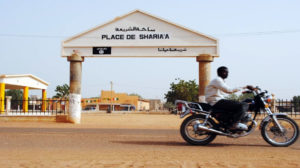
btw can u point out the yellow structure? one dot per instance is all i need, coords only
(25, 82)
(87, 102)
(2, 97)
(118, 101)
(44, 100)
(110, 97)
(25, 98)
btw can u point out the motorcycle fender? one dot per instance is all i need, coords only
(266, 119)
(185, 113)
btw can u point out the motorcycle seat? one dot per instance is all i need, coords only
(204, 106)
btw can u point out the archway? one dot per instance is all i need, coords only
(135, 35)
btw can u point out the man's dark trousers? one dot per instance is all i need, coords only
(231, 107)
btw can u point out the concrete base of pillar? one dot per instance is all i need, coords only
(74, 108)
(74, 120)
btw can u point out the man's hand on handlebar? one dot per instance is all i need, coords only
(250, 87)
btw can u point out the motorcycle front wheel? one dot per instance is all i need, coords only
(272, 134)
(190, 134)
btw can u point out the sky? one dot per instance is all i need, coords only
(258, 39)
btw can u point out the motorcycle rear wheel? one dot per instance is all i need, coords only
(271, 133)
(197, 137)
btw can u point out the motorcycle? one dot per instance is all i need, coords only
(204, 123)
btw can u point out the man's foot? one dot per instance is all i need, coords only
(240, 126)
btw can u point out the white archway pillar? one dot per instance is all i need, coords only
(8, 104)
(75, 88)
(204, 74)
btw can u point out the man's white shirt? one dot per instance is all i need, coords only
(217, 89)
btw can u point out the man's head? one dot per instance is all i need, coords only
(223, 72)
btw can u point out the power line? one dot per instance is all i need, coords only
(259, 33)
(138, 86)
(215, 34)
(31, 36)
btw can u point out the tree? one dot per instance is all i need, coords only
(135, 94)
(240, 97)
(232, 96)
(183, 90)
(16, 97)
(15, 94)
(62, 92)
(169, 105)
(296, 102)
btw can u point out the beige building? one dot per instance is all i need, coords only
(143, 105)
(156, 105)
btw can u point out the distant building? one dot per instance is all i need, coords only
(143, 105)
(90, 103)
(119, 101)
(155, 105)
(116, 101)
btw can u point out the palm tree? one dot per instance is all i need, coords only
(62, 92)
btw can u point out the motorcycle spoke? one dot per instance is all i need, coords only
(274, 137)
(192, 131)
(281, 138)
(286, 138)
(195, 133)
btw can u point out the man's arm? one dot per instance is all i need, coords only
(220, 84)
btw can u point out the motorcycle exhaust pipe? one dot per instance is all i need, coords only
(203, 128)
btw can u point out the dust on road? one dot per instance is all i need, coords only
(131, 140)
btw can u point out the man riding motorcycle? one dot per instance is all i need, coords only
(214, 95)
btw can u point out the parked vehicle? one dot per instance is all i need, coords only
(90, 108)
(204, 123)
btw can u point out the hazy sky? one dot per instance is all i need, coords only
(259, 42)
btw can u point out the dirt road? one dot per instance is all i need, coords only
(134, 140)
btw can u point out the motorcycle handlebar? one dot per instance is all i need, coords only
(256, 90)
(247, 91)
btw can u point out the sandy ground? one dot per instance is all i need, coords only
(131, 141)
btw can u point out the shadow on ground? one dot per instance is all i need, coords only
(175, 143)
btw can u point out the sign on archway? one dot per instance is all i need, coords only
(136, 34)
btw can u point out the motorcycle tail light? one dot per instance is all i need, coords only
(268, 100)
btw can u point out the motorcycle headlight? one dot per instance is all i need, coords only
(268, 99)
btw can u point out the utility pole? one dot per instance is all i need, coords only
(111, 88)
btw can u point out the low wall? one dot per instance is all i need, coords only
(62, 118)
(125, 112)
